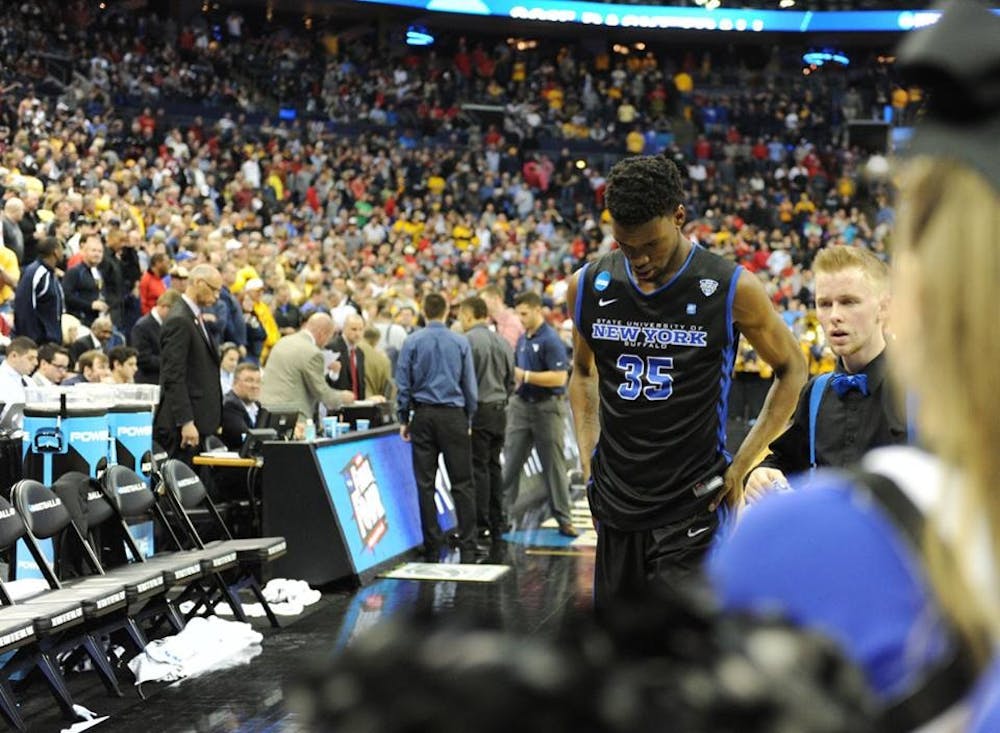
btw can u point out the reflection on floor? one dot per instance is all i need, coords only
(549, 575)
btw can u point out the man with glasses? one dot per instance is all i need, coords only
(53, 365)
(191, 397)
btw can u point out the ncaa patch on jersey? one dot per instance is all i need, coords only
(708, 286)
(692, 309)
(602, 281)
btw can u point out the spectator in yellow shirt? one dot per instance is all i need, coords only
(635, 142)
(10, 273)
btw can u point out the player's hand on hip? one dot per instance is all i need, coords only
(763, 481)
(732, 488)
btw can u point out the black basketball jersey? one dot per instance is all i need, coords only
(664, 361)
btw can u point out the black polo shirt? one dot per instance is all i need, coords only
(542, 351)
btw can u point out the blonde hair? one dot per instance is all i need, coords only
(947, 266)
(831, 260)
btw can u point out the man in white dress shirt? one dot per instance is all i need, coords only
(22, 358)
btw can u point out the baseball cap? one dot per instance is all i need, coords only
(179, 271)
(957, 62)
(254, 283)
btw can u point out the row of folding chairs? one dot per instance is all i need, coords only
(70, 619)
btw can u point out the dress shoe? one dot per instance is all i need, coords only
(568, 530)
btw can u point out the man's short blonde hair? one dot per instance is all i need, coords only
(838, 258)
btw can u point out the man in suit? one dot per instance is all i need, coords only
(241, 406)
(296, 374)
(378, 366)
(348, 368)
(145, 337)
(191, 397)
(101, 332)
(84, 283)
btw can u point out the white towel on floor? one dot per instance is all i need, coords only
(283, 590)
(203, 644)
(286, 598)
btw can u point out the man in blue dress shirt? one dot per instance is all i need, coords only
(437, 401)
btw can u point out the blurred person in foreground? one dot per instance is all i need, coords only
(900, 562)
(665, 664)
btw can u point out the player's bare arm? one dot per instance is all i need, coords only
(758, 320)
(584, 399)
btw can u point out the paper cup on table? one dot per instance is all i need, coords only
(343, 428)
(329, 426)
(362, 423)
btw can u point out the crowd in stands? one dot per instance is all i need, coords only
(99, 153)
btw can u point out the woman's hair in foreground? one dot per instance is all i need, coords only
(946, 275)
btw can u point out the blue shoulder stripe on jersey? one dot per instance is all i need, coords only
(631, 277)
(730, 297)
(580, 287)
(728, 360)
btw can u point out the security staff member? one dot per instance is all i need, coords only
(494, 362)
(437, 403)
(535, 415)
(857, 410)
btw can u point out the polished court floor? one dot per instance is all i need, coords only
(548, 577)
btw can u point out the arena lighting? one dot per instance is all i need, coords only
(615, 15)
(786, 4)
(417, 35)
(818, 58)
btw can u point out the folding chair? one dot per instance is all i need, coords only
(53, 618)
(197, 571)
(105, 598)
(17, 633)
(146, 586)
(187, 493)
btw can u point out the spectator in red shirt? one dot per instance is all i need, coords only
(151, 285)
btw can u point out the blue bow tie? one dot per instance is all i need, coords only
(844, 383)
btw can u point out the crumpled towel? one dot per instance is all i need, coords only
(286, 598)
(203, 644)
(282, 590)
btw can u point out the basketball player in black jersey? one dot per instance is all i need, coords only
(656, 327)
